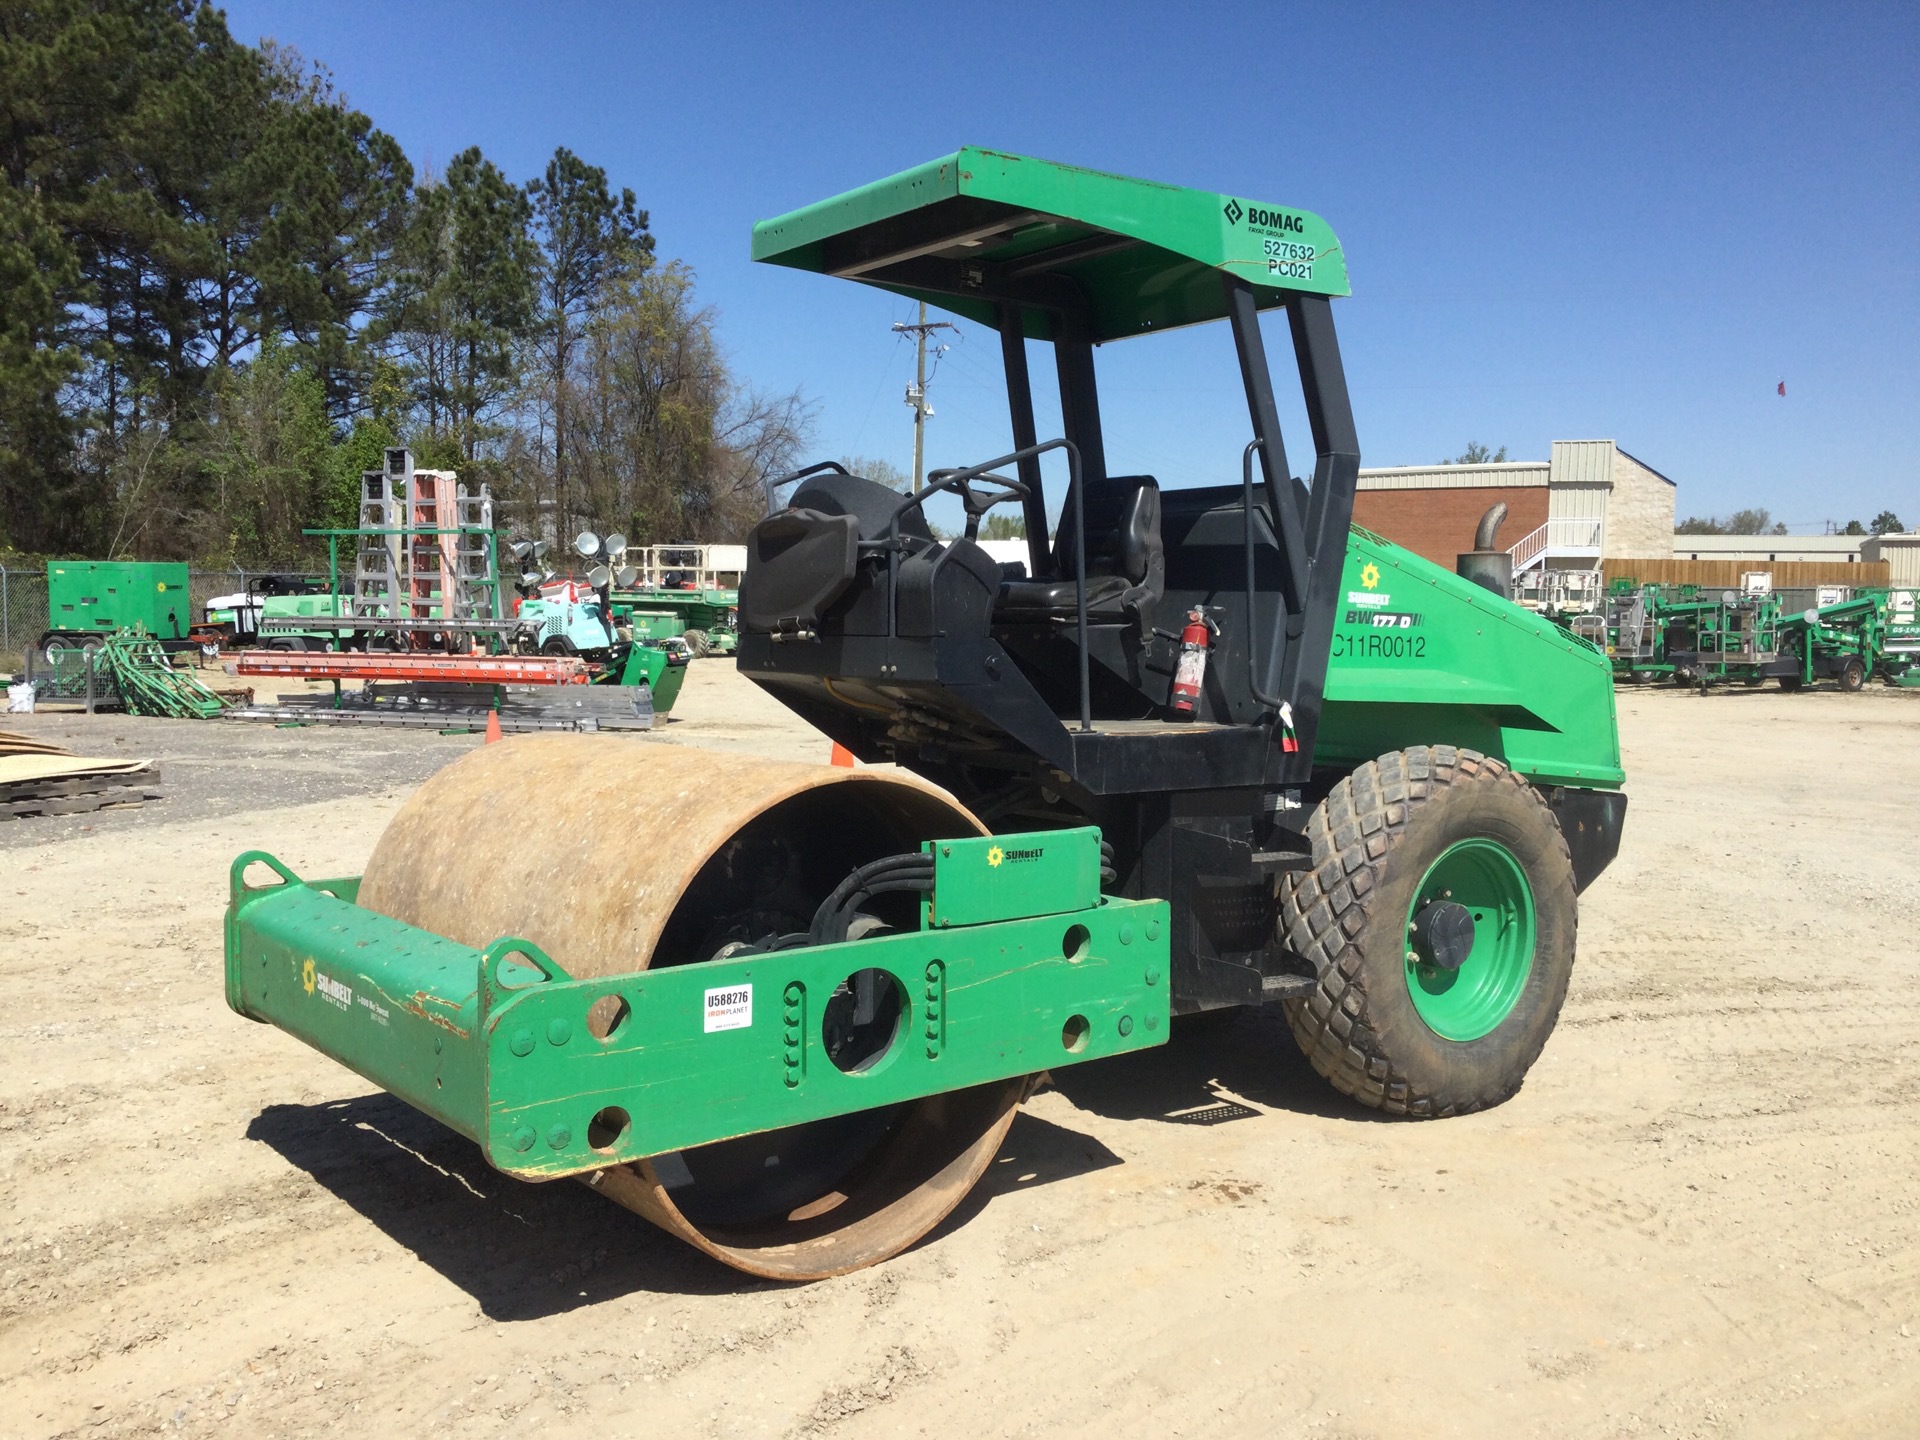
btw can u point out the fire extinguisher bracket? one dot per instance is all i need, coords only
(1190, 663)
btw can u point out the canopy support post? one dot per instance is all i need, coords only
(1033, 506)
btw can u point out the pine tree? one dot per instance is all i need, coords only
(465, 298)
(589, 242)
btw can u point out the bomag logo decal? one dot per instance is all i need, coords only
(1370, 576)
(1260, 218)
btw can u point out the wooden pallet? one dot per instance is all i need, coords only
(79, 794)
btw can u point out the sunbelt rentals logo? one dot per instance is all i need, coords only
(996, 857)
(331, 990)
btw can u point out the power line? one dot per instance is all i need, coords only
(917, 392)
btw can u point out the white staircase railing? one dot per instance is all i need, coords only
(1565, 536)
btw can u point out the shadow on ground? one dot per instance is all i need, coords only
(1036, 1152)
(1250, 1054)
(522, 1251)
(526, 1251)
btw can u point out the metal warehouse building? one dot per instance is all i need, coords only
(1762, 550)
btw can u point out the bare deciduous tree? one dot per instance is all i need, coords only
(665, 443)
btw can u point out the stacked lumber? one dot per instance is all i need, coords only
(12, 742)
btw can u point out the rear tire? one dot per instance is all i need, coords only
(697, 642)
(1853, 674)
(57, 642)
(1377, 1024)
(1790, 683)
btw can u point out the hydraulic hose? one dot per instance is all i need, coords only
(912, 871)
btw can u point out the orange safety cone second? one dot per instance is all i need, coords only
(841, 755)
(493, 726)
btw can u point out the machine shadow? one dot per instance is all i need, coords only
(1036, 1152)
(526, 1251)
(522, 1251)
(1247, 1053)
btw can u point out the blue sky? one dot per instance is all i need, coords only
(1561, 221)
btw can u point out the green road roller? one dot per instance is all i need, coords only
(1204, 747)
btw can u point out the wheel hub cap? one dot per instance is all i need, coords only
(1470, 940)
(1443, 934)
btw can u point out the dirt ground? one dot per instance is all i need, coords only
(1700, 1217)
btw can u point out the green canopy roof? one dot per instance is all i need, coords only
(1082, 253)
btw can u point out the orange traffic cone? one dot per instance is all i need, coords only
(841, 755)
(493, 726)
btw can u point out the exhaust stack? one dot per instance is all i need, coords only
(1485, 565)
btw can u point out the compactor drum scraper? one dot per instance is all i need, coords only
(1208, 747)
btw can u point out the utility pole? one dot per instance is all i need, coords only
(917, 392)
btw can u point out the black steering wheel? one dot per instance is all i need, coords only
(991, 490)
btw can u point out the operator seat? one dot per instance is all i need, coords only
(1126, 561)
(803, 559)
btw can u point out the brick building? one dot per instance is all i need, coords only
(1590, 500)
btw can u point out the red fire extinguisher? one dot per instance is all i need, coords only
(1190, 671)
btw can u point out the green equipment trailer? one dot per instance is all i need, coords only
(704, 618)
(1636, 632)
(87, 599)
(1850, 640)
(651, 665)
(1722, 637)
(1900, 652)
(1680, 632)
(311, 607)
(1207, 747)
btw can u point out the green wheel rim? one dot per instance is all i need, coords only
(1470, 1002)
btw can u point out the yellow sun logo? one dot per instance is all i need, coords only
(306, 976)
(995, 855)
(1369, 575)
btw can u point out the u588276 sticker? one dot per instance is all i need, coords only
(728, 1008)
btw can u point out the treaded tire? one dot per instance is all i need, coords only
(697, 642)
(1373, 839)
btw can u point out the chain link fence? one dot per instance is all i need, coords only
(24, 606)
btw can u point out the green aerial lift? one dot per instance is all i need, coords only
(1869, 633)
(1207, 747)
